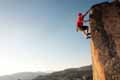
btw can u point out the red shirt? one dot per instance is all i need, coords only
(80, 21)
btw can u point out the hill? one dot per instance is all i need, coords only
(83, 73)
(22, 76)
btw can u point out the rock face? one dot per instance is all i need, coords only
(105, 43)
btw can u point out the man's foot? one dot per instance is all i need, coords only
(88, 37)
(88, 34)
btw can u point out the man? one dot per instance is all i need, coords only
(80, 26)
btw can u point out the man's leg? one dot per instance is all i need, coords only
(84, 34)
(88, 35)
(87, 29)
(84, 31)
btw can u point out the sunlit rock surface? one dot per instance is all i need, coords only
(105, 42)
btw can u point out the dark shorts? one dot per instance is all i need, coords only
(82, 28)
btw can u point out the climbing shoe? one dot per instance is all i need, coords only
(88, 37)
(88, 34)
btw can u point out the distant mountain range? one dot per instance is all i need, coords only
(22, 76)
(83, 73)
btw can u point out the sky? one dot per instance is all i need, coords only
(39, 35)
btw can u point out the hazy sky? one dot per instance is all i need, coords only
(39, 35)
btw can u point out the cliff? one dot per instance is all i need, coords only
(105, 41)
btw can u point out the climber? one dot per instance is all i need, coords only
(81, 27)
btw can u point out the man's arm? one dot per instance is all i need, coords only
(86, 13)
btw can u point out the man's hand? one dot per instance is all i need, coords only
(87, 12)
(76, 29)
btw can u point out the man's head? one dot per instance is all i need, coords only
(79, 14)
